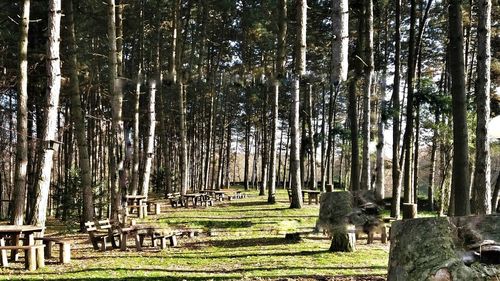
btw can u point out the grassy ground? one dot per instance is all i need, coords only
(240, 239)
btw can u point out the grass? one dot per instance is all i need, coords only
(246, 241)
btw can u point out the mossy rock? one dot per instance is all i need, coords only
(437, 248)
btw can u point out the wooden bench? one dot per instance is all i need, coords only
(64, 248)
(96, 237)
(175, 200)
(33, 255)
(105, 226)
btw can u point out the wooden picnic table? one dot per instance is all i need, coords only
(140, 231)
(217, 194)
(312, 194)
(193, 197)
(15, 231)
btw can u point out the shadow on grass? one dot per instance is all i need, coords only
(232, 273)
(206, 254)
(249, 242)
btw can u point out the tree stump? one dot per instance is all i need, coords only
(444, 248)
(333, 217)
(409, 211)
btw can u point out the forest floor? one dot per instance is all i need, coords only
(239, 239)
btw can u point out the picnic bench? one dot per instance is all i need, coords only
(99, 237)
(175, 199)
(64, 248)
(312, 195)
(33, 254)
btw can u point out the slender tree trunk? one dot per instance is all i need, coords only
(184, 172)
(366, 167)
(136, 153)
(150, 139)
(20, 175)
(482, 173)
(79, 121)
(312, 183)
(42, 187)
(430, 191)
(494, 197)
(380, 178)
(300, 67)
(117, 161)
(460, 175)
(279, 75)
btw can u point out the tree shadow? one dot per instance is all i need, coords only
(249, 242)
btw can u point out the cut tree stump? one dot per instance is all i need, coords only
(445, 249)
(335, 208)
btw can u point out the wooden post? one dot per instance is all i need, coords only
(384, 234)
(157, 208)
(48, 249)
(30, 259)
(163, 243)
(3, 254)
(173, 240)
(40, 256)
(65, 253)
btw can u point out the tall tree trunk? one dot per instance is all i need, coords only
(408, 135)
(396, 132)
(366, 167)
(79, 121)
(380, 178)
(117, 161)
(183, 134)
(432, 172)
(19, 194)
(279, 75)
(460, 175)
(136, 153)
(300, 67)
(42, 187)
(150, 139)
(494, 197)
(482, 173)
(312, 182)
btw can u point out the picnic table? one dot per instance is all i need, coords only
(312, 194)
(136, 202)
(217, 194)
(141, 231)
(193, 197)
(15, 231)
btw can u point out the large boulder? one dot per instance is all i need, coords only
(441, 249)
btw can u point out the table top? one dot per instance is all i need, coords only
(311, 191)
(20, 228)
(192, 195)
(135, 196)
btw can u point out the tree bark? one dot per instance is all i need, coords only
(366, 167)
(118, 153)
(20, 175)
(396, 132)
(482, 173)
(78, 120)
(279, 75)
(150, 139)
(300, 67)
(42, 187)
(460, 175)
